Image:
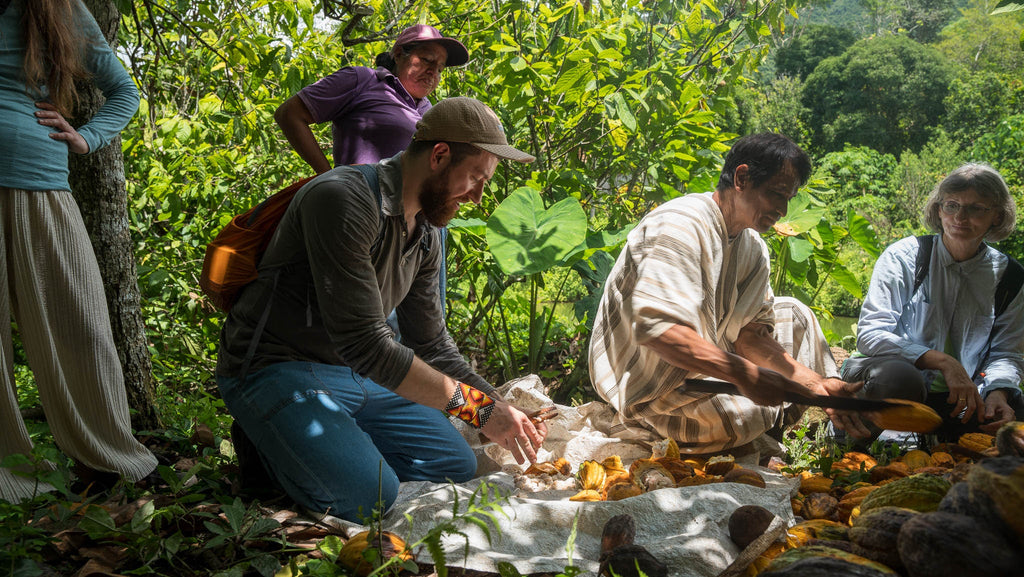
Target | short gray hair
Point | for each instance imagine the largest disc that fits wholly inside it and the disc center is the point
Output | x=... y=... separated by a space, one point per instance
x=985 y=181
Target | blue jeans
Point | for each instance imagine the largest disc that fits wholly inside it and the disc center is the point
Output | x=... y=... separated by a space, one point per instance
x=332 y=439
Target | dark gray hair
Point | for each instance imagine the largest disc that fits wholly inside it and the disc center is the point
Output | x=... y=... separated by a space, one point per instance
x=389 y=60
x=985 y=181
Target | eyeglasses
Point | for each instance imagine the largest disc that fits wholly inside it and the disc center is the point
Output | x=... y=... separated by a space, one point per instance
x=971 y=210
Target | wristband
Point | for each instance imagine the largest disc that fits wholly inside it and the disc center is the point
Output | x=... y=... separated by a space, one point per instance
x=470 y=405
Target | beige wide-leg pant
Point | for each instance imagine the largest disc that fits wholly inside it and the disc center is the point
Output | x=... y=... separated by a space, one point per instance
x=50 y=283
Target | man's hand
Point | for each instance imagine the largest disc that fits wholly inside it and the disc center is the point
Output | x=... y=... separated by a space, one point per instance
x=48 y=116
x=767 y=387
x=512 y=429
x=997 y=411
x=849 y=421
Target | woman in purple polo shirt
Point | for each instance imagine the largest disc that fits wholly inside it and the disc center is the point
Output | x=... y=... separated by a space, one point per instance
x=373 y=112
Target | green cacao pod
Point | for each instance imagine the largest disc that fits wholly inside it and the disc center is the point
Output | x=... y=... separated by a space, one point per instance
x=826 y=567
x=1002 y=479
x=918 y=492
x=791 y=556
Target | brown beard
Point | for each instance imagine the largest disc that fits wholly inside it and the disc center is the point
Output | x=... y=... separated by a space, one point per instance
x=435 y=199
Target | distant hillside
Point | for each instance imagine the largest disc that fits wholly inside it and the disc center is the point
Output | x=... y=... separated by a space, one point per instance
x=849 y=14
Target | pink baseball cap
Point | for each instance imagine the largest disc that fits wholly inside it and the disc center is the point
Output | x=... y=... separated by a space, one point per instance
x=457 y=53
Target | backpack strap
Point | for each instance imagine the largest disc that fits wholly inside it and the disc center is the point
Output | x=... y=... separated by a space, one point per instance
x=369 y=172
x=1009 y=285
x=924 y=260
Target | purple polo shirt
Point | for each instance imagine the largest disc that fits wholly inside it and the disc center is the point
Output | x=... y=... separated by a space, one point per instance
x=372 y=115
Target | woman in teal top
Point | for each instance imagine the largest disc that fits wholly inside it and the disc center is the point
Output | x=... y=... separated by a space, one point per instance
x=49 y=280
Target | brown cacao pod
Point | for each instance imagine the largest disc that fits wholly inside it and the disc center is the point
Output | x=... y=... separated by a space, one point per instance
x=744 y=476
x=874 y=534
x=748 y=523
x=940 y=544
x=1010 y=439
x=819 y=506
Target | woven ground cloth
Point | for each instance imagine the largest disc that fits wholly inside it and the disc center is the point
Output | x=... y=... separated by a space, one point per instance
x=686 y=528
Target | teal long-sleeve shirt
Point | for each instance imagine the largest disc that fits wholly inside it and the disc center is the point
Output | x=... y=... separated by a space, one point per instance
x=29 y=158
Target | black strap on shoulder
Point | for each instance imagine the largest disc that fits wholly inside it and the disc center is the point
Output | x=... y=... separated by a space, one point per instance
x=1008 y=288
x=1009 y=285
x=924 y=260
x=369 y=172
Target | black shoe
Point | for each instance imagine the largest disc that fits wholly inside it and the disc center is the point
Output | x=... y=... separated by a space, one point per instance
x=253 y=478
x=90 y=481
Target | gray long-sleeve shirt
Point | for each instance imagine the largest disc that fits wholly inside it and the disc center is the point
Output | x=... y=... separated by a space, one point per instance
x=335 y=290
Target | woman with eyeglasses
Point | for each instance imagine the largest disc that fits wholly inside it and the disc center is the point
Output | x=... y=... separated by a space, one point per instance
x=941 y=343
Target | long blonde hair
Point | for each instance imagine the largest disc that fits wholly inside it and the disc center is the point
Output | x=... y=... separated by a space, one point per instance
x=54 y=51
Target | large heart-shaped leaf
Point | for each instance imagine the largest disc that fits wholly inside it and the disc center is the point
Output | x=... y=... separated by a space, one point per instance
x=863 y=233
x=801 y=216
x=526 y=239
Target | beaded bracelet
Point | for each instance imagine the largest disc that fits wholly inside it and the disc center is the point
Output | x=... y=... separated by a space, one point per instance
x=470 y=405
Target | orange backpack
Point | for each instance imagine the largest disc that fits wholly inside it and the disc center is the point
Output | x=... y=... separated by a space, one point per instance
x=233 y=256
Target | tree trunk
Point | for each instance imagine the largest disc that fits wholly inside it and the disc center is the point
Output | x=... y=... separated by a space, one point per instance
x=98 y=184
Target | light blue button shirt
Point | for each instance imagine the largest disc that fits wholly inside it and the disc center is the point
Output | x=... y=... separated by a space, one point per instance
x=956 y=298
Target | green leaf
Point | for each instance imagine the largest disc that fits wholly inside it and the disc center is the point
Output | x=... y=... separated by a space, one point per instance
x=845 y=278
x=260 y=526
x=25 y=567
x=469 y=225
x=571 y=77
x=526 y=239
x=97 y=521
x=142 y=518
x=235 y=513
x=1007 y=6
x=506 y=569
x=863 y=234
x=517 y=63
x=800 y=249
x=623 y=112
x=265 y=564
x=801 y=216
x=331 y=547
x=15 y=460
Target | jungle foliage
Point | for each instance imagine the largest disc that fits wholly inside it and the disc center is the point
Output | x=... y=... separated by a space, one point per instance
x=626 y=105
x=621 y=103
x=886 y=117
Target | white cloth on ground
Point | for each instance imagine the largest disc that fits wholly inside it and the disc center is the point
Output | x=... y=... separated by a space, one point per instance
x=686 y=528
